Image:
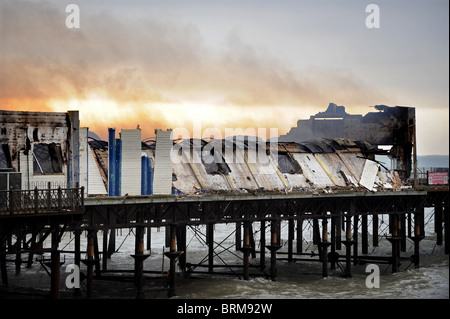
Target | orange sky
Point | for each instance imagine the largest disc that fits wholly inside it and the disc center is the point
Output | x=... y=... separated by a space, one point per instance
x=129 y=67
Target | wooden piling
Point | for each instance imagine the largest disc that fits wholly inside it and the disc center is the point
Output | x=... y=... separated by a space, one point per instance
x=89 y=261
x=139 y=262
x=274 y=246
x=325 y=245
x=238 y=236
x=348 y=244
x=402 y=231
x=55 y=264
x=299 y=245
x=394 y=240
x=181 y=247
x=77 y=256
x=3 y=262
x=262 y=242
x=375 y=230
x=438 y=223
x=364 y=235
x=446 y=228
x=355 y=239
x=246 y=249
x=105 y=250
x=173 y=254
x=290 y=238
x=333 y=243
x=210 y=243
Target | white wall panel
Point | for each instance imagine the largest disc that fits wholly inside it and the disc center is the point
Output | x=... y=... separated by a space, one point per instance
x=131 y=162
x=162 y=177
x=84 y=149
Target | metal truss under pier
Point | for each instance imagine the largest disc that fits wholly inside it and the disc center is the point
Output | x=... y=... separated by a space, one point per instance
x=334 y=212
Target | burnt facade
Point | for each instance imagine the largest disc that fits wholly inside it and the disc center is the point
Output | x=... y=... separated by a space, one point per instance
x=393 y=126
x=43 y=146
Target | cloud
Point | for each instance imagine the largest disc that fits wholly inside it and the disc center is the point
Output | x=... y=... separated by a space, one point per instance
x=145 y=63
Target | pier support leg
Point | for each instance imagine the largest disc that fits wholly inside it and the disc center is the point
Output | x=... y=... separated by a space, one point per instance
x=89 y=262
x=112 y=242
x=375 y=230
x=77 y=256
x=252 y=242
x=446 y=228
x=246 y=249
x=210 y=242
x=355 y=239
x=348 y=246
x=402 y=231
x=96 y=257
x=339 y=227
x=290 y=239
x=18 y=261
x=149 y=239
x=238 y=236
x=172 y=255
x=316 y=231
x=55 y=273
x=364 y=235
x=262 y=241
x=181 y=247
x=395 y=241
x=417 y=237
x=274 y=246
x=324 y=243
x=33 y=246
x=438 y=223
x=105 y=250
x=333 y=243
x=3 y=262
x=299 y=235
x=139 y=258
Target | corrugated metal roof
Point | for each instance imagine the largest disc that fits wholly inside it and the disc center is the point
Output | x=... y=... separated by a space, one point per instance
x=240 y=166
x=162 y=178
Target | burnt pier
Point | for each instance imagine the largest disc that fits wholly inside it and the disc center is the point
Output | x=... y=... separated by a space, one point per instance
x=42 y=214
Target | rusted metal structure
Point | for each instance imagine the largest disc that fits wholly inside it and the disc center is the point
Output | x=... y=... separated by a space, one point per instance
x=333 y=182
x=31 y=216
x=393 y=126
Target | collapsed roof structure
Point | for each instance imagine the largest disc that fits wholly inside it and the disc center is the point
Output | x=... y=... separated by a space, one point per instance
x=236 y=166
x=391 y=126
x=326 y=155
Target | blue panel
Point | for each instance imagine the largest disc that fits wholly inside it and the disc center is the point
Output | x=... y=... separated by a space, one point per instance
x=118 y=186
x=150 y=177
x=144 y=175
x=111 y=161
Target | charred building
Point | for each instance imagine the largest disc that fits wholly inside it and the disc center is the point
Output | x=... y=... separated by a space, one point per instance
x=394 y=126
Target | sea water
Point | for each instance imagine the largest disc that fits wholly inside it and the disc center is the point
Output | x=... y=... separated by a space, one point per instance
x=295 y=280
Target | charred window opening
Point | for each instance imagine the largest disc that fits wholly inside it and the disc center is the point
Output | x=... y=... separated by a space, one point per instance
x=213 y=161
x=5 y=157
x=215 y=166
x=288 y=165
x=47 y=159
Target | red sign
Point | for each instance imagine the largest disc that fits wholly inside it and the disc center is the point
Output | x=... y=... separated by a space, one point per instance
x=435 y=178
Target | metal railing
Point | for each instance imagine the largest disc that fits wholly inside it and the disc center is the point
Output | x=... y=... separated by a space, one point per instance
x=41 y=202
